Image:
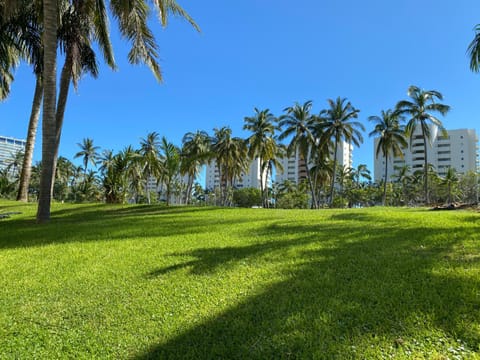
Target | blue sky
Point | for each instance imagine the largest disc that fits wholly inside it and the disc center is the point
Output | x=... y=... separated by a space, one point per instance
x=269 y=54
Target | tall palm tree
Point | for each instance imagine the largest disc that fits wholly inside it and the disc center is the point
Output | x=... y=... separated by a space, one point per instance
x=262 y=143
x=195 y=152
x=420 y=111
x=474 y=51
x=150 y=159
x=391 y=140
x=33 y=53
x=298 y=123
x=337 y=123
x=88 y=153
x=49 y=38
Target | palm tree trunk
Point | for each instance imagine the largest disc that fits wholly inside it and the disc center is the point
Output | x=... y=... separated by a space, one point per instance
x=385 y=182
x=168 y=192
x=50 y=94
x=189 y=189
x=147 y=192
x=26 y=173
x=65 y=79
x=332 y=186
x=310 y=183
x=262 y=188
x=425 y=180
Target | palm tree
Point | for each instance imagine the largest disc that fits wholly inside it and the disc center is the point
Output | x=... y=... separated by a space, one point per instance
x=279 y=152
x=195 y=152
x=361 y=172
x=474 y=51
x=170 y=165
x=420 y=111
x=337 y=125
x=88 y=153
x=262 y=144
x=16 y=160
x=299 y=123
x=150 y=159
x=449 y=180
x=391 y=140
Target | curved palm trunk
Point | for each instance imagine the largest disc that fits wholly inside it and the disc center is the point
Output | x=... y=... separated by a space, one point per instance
x=425 y=180
x=188 y=191
x=449 y=193
x=332 y=186
x=26 y=173
x=65 y=79
x=384 y=201
x=50 y=94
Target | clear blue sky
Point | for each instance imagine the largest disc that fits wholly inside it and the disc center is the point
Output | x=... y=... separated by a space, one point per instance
x=269 y=54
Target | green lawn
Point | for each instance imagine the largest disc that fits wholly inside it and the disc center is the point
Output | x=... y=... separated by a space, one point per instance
x=149 y=282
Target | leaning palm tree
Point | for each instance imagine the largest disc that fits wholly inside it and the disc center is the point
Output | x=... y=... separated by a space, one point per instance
x=391 y=140
x=474 y=51
x=88 y=153
x=262 y=143
x=298 y=123
x=420 y=110
x=337 y=125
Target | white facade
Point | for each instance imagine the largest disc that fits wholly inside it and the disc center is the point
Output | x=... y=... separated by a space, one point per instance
x=458 y=150
x=249 y=179
x=8 y=147
x=293 y=166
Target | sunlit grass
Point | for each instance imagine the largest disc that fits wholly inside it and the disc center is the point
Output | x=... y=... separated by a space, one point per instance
x=150 y=282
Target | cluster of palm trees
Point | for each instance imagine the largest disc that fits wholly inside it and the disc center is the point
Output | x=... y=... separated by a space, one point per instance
x=32 y=31
x=420 y=113
x=131 y=174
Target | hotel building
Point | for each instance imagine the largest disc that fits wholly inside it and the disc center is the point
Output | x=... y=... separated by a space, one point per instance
x=294 y=166
x=8 y=148
x=457 y=149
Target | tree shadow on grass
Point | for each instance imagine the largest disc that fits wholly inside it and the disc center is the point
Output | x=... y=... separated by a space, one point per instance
x=209 y=260
x=339 y=301
x=108 y=223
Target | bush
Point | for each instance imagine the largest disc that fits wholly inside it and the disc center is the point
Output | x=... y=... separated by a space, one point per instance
x=247 y=197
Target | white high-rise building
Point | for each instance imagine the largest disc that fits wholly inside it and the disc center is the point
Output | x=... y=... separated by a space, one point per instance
x=294 y=166
x=458 y=149
x=8 y=147
x=251 y=178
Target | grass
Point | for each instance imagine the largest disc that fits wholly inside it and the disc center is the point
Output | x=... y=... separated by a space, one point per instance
x=145 y=282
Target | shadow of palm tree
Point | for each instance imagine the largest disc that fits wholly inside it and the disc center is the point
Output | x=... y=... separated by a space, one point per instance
x=342 y=297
